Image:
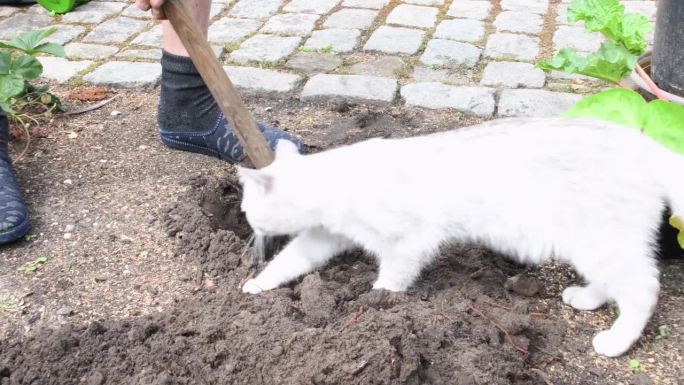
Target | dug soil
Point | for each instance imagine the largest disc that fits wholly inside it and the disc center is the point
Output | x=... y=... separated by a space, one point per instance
x=147 y=250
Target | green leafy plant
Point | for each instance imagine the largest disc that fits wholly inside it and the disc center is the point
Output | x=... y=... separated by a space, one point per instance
x=662 y=333
x=625 y=40
x=327 y=49
x=18 y=65
x=32 y=266
x=634 y=365
x=661 y=120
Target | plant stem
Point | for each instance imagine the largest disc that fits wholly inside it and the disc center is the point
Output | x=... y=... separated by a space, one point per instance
x=649 y=82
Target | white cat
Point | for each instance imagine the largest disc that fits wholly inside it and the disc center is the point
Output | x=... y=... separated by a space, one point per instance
x=584 y=192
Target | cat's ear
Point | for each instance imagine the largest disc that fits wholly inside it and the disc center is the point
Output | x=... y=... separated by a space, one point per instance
x=259 y=178
x=285 y=148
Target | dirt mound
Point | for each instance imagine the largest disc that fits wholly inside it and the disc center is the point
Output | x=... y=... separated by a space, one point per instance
x=327 y=328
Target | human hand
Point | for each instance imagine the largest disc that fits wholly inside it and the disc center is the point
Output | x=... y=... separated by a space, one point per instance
x=154 y=5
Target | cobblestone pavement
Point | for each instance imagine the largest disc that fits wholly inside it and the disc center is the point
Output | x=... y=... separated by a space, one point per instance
x=474 y=56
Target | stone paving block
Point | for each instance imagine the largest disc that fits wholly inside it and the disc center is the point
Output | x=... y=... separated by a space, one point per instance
x=298 y=24
x=89 y=51
x=387 y=66
x=395 y=40
x=65 y=33
x=576 y=38
x=646 y=8
x=467 y=30
x=229 y=30
x=37 y=9
x=351 y=86
x=341 y=40
x=470 y=9
x=255 y=9
x=372 y=4
x=535 y=103
x=263 y=80
x=514 y=21
x=567 y=76
x=61 y=70
x=93 y=12
x=7 y=11
x=133 y=11
x=319 y=7
x=125 y=74
x=536 y=6
x=413 y=16
x=562 y=15
x=313 y=62
x=425 y=2
x=20 y=23
x=269 y=48
x=512 y=46
x=447 y=53
x=448 y=76
x=152 y=38
x=146 y=54
x=512 y=75
x=350 y=18
x=116 y=30
x=215 y=9
x=478 y=101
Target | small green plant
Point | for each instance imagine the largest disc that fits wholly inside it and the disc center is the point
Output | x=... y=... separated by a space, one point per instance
x=18 y=65
x=634 y=366
x=327 y=49
x=624 y=33
x=29 y=237
x=662 y=333
x=32 y=266
x=10 y=304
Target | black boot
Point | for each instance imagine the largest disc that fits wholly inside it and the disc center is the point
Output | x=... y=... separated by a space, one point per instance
x=14 y=222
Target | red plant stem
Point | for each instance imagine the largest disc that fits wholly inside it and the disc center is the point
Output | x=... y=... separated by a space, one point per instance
x=649 y=82
x=520 y=349
x=355 y=318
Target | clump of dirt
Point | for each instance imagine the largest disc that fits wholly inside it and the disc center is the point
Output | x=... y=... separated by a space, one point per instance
x=88 y=94
x=458 y=324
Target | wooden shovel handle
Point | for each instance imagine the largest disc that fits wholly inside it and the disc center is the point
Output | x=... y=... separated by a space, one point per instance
x=219 y=84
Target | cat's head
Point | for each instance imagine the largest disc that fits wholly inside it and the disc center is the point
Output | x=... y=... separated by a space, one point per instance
x=271 y=198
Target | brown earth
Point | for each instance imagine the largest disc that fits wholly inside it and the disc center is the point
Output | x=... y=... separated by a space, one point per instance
x=146 y=254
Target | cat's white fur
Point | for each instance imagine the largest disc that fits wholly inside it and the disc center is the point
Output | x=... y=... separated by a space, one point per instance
x=584 y=192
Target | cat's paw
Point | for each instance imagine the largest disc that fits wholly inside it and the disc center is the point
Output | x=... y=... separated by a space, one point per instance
x=251 y=287
x=583 y=297
x=611 y=343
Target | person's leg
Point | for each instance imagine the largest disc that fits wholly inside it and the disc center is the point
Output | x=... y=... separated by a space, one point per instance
x=14 y=222
x=189 y=118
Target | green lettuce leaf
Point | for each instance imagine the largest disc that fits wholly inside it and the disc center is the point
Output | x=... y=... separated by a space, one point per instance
x=661 y=120
x=611 y=63
x=609 y=18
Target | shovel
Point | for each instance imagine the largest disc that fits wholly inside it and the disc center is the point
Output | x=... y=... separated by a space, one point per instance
x=219 y=84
